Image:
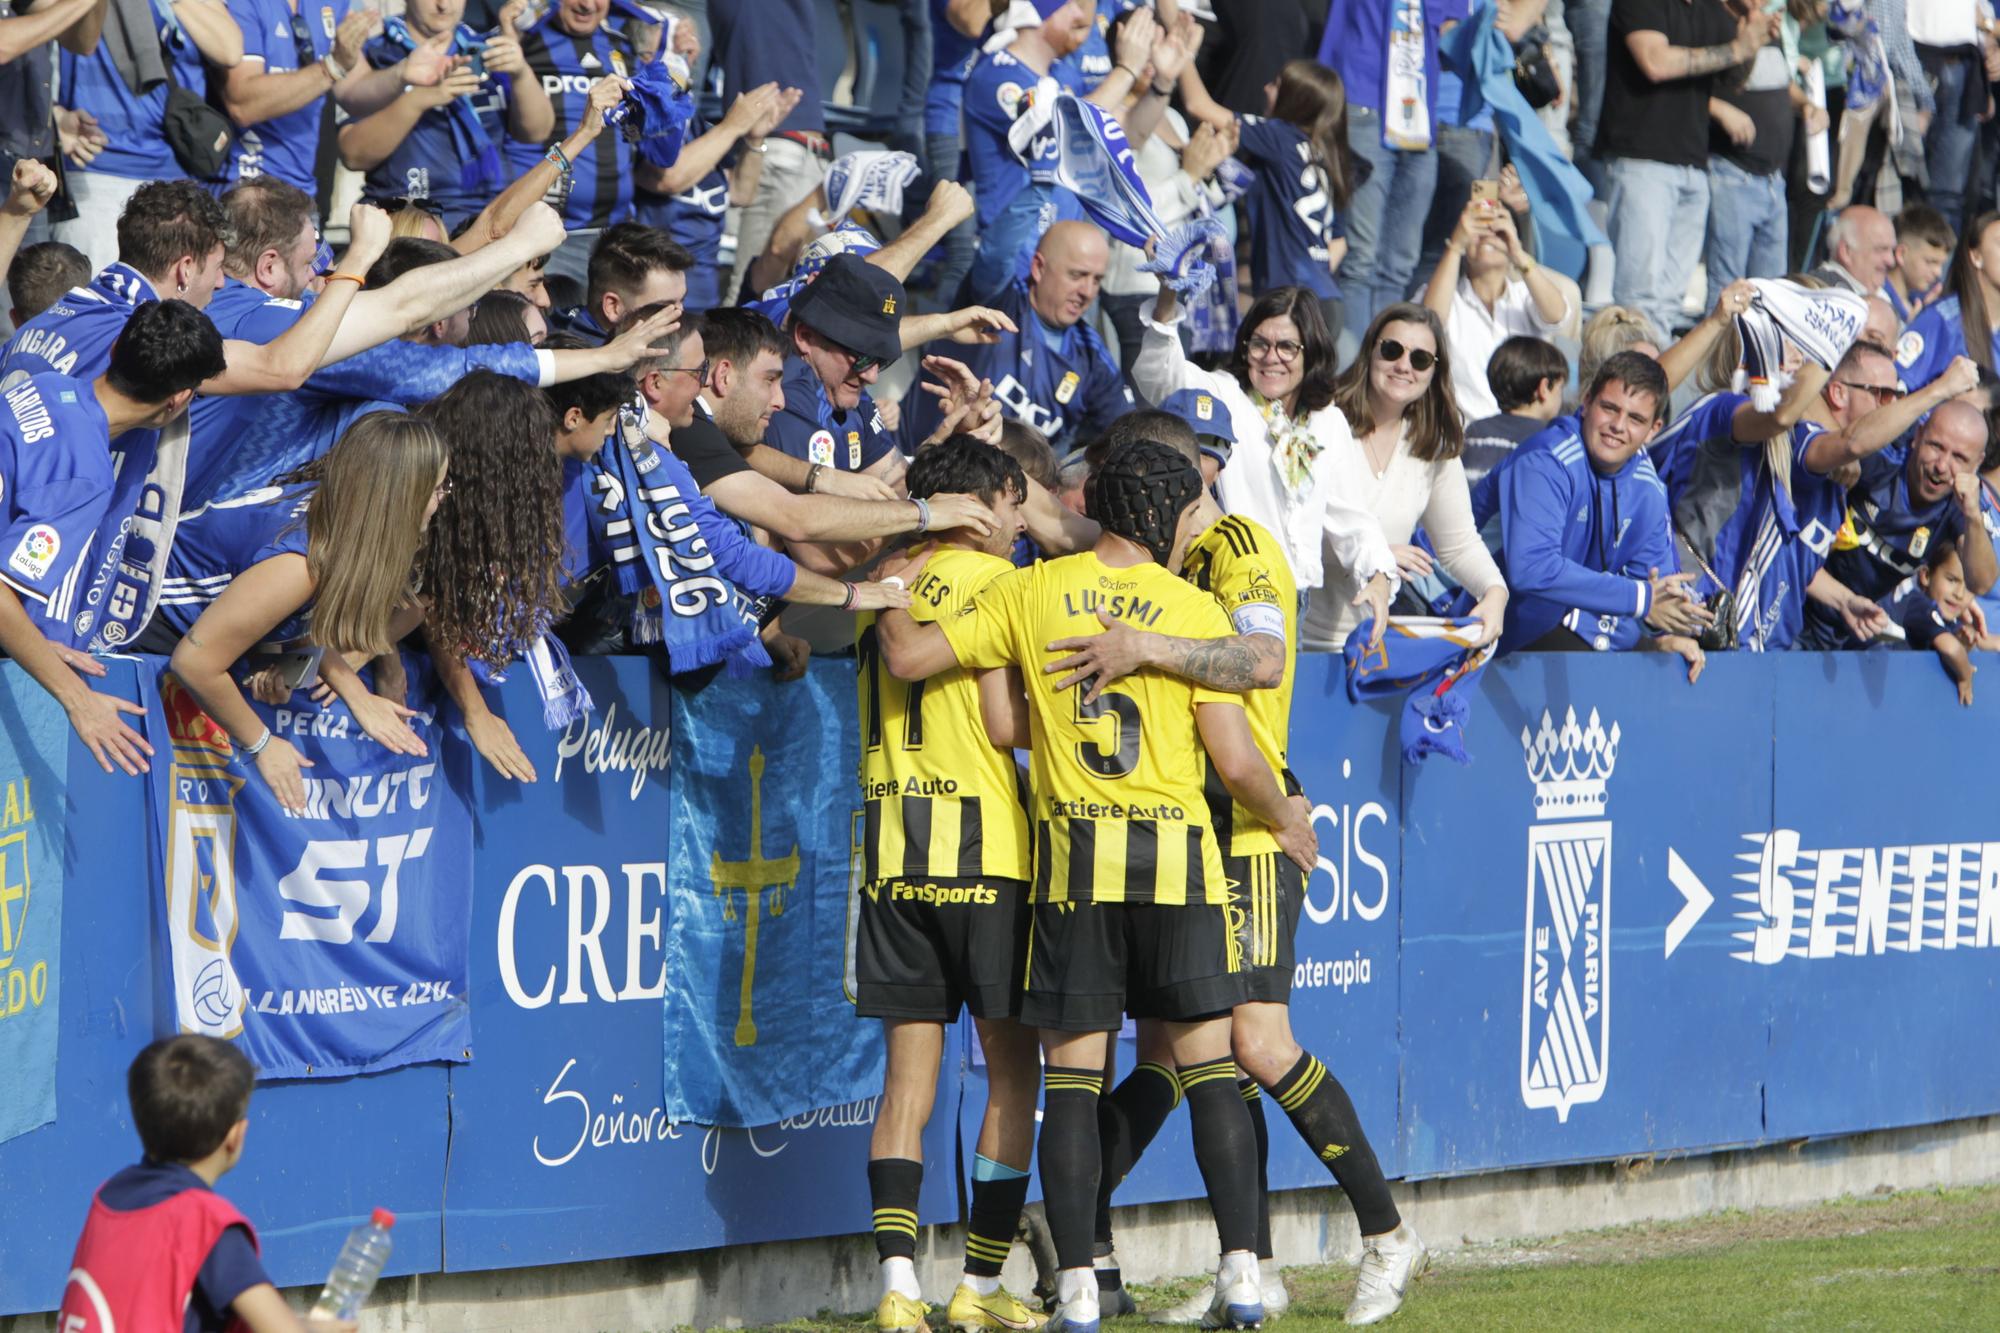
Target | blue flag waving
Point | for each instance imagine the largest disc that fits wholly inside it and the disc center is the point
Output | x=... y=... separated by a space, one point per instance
x=1094 y=161
x=1434 y=663
x=761 y=875
x=334 y=941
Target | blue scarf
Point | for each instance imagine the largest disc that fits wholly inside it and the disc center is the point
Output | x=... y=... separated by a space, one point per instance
x=479 y=172
x=657 y=110
x=640 y=519
x=1559 y=195
x=564 y=699
x=1094 y=162
x=1434 y=662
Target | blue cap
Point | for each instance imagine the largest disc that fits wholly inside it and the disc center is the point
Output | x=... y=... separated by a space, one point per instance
x=1208 y=417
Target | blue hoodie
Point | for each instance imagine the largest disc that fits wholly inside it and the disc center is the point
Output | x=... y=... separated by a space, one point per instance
x=1578 y=547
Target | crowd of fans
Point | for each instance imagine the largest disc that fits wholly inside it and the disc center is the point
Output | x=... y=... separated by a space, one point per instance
x=564 y=393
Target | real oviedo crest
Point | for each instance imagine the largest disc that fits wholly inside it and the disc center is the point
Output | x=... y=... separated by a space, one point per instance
x=1566 y=957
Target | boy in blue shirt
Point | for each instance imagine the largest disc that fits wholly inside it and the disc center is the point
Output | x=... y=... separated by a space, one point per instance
x=1584 y=527
x=1932 y=608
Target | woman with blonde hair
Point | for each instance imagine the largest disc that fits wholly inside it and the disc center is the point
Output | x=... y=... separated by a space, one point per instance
x=1401 y=463
x=1614 y=329
x=330 y=553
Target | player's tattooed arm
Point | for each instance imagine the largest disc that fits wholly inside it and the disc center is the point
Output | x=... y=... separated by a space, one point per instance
x=1237 y=664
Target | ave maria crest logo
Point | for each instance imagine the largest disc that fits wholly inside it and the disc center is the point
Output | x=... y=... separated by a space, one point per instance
x=1566 y=958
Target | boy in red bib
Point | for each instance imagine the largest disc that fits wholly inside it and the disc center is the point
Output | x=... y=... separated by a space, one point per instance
x=161 y=1251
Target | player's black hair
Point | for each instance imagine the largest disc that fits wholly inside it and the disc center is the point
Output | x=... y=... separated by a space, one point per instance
x=593 y=395
x=187 y=1092
x=963 y=465
x=166 y=346
x=1141 y=492
x=404 y=254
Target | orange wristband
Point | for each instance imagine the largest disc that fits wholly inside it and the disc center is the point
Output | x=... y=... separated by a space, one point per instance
x=347 y=277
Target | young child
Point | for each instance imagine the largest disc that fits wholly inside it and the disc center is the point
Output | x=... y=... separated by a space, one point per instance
x=1933 y=608
x=1924 y=243
x=161 y=1250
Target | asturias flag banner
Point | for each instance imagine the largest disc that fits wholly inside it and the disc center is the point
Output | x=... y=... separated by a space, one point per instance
x=760 y=872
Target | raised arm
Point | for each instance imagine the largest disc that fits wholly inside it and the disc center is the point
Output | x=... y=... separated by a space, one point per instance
x=1686 y=356
x=950 y=204
x=1830 y=451
x=498 y=218
x=288 y=360
x=47 y=23
x=212 y=29
x=758 y=109
x=27 y=194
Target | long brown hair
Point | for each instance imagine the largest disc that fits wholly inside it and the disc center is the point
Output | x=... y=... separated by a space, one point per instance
x=1312 y=98
x=493 y=553
x=1963 y=281
x=1436 y=432
x=365 y=525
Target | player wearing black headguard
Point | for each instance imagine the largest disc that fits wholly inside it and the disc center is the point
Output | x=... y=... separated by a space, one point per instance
x=1130 y=899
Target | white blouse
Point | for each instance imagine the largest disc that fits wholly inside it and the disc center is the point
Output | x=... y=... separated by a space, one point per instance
x=1319 y=525
x=1407 y=492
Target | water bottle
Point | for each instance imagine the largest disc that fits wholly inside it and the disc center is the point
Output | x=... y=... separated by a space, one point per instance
x=355 y=1271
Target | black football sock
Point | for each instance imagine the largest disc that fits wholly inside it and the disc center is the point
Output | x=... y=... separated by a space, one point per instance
x=1127 y=1121
x=1324 y=1116
x=1070 y=1162
x=1225 y=1148
x=893 y=1183
x=1253 y=1097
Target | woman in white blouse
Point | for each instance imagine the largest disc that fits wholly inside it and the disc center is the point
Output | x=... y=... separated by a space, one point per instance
x=1487 y=289
x=1278 y=390
x=1401 y=463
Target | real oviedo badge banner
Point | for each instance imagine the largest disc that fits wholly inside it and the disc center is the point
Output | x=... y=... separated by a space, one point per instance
x=329 y=942
x=34 y=774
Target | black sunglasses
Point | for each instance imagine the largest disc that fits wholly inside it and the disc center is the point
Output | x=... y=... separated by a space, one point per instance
x=1391 y=351
x=397 y=203
x=302 y=42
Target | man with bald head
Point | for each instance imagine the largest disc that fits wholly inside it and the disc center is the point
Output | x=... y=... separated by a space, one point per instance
x=1908 y=500
x=1861 y=249
x=1056 y=374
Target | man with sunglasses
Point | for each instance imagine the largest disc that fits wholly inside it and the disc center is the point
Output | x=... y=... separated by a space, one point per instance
x=1766 y=537
x=843 y=329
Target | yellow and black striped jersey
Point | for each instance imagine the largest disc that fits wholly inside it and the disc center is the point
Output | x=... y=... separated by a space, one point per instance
x=939 y=801
x=1242 y=567
x=1117 y=808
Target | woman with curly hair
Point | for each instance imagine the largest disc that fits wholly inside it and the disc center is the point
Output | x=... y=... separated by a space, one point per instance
x=330 y=553
x=493 y=557
x=1401 y=463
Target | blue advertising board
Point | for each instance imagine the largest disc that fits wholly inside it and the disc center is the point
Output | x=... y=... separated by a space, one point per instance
x=1648 y=917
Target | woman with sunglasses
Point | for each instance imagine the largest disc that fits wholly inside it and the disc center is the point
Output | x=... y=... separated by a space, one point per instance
x=1402 y=465
x=1278 y=389
x=327 y=557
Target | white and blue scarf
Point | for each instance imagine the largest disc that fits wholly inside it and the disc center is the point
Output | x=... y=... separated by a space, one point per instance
x=641 y=520
x=1095 y=163
x=1823 y=322
x=1431 y=662
x=479 y=157
x=873 y=180
x=657 y=110
x=564 y=698
x=1406 y=101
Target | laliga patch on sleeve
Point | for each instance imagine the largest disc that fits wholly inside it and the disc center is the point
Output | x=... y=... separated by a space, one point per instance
x=36 y=552
x=819 y=449
x=1009 y=95
x=1909 y=348
x=1259 y=618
